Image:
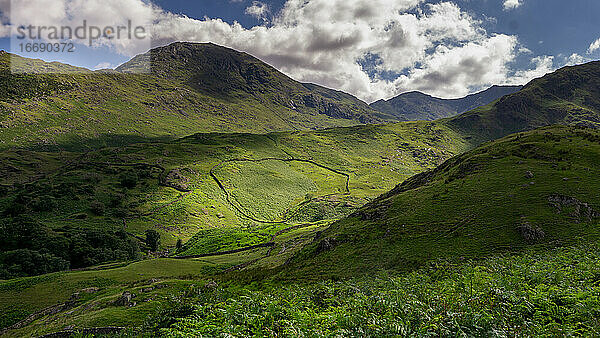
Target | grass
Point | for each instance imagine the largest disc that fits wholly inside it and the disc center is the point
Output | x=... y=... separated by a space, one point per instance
x=21 y=297
x=568 y=96
x=474 y=205
x=58 y=107
x=167 y=278
x=375 y=158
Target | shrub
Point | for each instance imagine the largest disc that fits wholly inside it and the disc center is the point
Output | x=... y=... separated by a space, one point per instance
x=25 y=262
x=128 y=179
x=152 y=239
x=97 y=208
x=15 y=209
x=43 y=203
x=47 y=250
x=116 y=200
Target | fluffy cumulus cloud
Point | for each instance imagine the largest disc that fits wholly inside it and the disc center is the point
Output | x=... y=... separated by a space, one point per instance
x=350 y=45
x=512 y=4
x=576 y=59
x=594 y=46
x=354 y=46
x=258 y=10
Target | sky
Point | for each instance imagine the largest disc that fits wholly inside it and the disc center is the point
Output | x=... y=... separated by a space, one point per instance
x=373 y=49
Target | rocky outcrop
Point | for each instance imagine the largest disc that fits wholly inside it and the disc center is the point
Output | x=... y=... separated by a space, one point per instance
x=176 y=180
x=581 y=212
x=326 y=244
x=125 y=300
x=530 y=233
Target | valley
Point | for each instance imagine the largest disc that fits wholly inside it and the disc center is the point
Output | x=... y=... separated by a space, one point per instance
x=218 y=196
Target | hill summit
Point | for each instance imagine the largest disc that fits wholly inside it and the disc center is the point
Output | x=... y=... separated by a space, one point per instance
x=537 y=188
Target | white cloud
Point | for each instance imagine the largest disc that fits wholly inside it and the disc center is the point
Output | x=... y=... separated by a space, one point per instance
x=437 y=48
x=542 y=65
x=594 y=46
x=258 y=10
x=512 y=4
x=576 y=59
x=104 y=65
x=73 y=13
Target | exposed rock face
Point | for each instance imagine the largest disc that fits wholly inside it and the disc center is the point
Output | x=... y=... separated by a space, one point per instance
x=176 y=180
x=328 y=108
x=372 y=214
x=125 y=300
x=327 y=244
x=580 y=211
x=530 y=233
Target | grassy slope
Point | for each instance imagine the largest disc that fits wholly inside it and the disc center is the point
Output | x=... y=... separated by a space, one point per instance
x=374 y=157
x=570 y=95
x=20 y=297
x=471 y=206
x=169 y=278
x=183 y=96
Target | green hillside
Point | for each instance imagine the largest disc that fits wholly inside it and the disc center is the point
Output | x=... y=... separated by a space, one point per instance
x=570 y=95
x=413 y=228
x=214 y=192
x=192 y=88
x=494 y=240
x=531 y=189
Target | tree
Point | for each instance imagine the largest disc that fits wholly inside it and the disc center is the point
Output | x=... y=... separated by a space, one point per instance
x=129 y=179
x=152 y=239
x=179 y=244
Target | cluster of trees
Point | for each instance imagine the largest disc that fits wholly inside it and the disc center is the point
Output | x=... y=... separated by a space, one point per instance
x=29 y=248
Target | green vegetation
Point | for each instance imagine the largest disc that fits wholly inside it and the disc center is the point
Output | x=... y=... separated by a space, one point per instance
x=293 y=232
x=90 y=295
x=30 y=248
x=172 y=187
x=553 y=293
x=531 y=189
x=570 y=95
x=63 y=107
x=153 y=239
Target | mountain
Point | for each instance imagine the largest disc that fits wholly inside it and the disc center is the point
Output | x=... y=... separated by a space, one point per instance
x=222 y=72
x=192 y=88
x=490 y=199
x=533 y=189
x=570 y=95
x=296 y=205
x=415 y=106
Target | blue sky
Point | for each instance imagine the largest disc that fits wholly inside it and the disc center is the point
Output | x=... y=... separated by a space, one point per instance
x=445 y=48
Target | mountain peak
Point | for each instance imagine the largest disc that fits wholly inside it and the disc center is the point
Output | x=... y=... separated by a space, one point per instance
x=415 y=105
x=232 y=75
